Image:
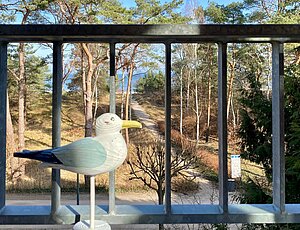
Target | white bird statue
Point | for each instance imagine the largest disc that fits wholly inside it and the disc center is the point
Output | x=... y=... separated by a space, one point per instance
x=89 y=156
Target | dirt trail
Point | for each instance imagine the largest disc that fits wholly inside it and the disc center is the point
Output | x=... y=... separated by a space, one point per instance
x=144 y=117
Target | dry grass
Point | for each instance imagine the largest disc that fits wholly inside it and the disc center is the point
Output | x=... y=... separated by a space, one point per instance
x=38 y=136
x=207 y=152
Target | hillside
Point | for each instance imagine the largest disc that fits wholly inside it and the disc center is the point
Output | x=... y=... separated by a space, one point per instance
x=38 y=136
x=207 y=151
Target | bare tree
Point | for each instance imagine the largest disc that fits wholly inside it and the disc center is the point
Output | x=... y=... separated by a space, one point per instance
x=209 y=91
x=149 y=165
x=128 y=92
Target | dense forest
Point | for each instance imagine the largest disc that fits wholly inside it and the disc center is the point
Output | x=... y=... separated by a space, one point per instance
x=140 y=68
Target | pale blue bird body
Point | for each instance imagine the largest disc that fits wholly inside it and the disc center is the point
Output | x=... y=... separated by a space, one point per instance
x=92 y=155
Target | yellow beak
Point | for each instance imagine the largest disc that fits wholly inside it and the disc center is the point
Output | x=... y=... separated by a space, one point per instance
x=131 y=124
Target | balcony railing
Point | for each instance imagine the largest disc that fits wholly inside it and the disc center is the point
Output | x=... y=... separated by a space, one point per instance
x=168 y=213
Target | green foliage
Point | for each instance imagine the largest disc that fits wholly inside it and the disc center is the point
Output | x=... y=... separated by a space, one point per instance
x=6 y=15
x=36 y=73
x=273 y=12
x=288 y=12
x=41 y=4
x=292 y=117
x=151 y=82
x=253 y=193
x=215 y=13
x=153 y=11
x=256 y=125
x=114 y=12
x=256 y=129
x=231 y=13
x=270 y=227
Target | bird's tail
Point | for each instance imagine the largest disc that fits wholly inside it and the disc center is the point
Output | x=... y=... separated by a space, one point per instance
x=41 y=155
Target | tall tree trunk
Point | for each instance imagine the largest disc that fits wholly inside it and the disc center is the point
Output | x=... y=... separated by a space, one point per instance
x=18 y=166
x=197 y=111
x=88 y=110
x=196 y=96
x=181 y=101
x=188 y=92
x=123 y=90
x=207 y=132
x=10 y=144
x=95 y=98
x=230 y=88
x=22 y=93
x=22 y=84
x=232 y=75
x=233 y=115
x=127 y=99
x=269 y=75
x=208 y=107
x=83 y=78
x=15 y=166
x=88 y=93
x=95 y=93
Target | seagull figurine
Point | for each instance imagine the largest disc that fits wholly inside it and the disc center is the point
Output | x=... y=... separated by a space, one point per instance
x=91 y=155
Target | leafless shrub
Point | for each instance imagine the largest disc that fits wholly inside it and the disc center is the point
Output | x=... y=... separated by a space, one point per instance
x=148 y=165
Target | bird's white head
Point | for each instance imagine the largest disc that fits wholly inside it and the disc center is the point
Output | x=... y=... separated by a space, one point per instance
x=108 y=123
x=112 y=123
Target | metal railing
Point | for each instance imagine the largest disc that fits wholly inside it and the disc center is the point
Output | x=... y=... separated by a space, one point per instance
x=277 y=35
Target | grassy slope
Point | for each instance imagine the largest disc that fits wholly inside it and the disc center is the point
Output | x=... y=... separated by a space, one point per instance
x=38 y=136
x=207 y=152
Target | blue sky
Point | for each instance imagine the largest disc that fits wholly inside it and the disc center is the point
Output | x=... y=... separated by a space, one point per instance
x=203 y=3
x=130 y=3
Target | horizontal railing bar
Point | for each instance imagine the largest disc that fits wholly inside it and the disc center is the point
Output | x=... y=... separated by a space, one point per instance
x=155 y=214
x=150 y=33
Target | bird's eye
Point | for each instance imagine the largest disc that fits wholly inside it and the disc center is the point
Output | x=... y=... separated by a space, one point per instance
x=112 y=119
